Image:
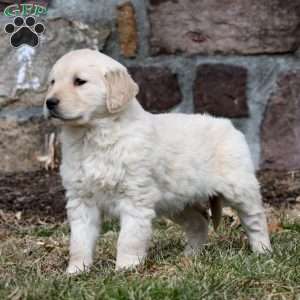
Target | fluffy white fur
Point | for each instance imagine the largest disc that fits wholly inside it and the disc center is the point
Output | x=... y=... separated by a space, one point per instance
x=122 y=160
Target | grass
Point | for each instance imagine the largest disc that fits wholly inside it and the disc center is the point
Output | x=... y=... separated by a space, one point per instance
x=33 y=259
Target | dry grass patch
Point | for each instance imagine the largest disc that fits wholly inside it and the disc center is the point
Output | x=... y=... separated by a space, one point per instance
x=33 y=259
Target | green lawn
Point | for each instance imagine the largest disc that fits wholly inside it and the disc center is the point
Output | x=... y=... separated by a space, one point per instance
x=33 y=260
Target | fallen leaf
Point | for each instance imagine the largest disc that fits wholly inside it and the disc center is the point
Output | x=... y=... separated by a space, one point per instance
x=275 y=227
x=19 y=215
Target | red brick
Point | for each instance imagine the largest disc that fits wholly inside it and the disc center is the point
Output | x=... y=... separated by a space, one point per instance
x=221 y=90
x=159 y=88
x=224 y=26
x=280 y=132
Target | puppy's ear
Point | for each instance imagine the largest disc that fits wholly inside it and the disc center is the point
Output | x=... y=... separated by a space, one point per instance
x=120 y=90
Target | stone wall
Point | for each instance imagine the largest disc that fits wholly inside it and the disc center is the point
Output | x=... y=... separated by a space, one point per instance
x=234 y=58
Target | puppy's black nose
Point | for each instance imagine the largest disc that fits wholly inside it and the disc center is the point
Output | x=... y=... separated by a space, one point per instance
x=52 y=103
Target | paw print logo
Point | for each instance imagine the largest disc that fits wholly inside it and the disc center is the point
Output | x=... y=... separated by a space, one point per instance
x=24 y=32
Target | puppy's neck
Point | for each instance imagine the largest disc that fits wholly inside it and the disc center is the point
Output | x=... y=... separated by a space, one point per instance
x=107 y=129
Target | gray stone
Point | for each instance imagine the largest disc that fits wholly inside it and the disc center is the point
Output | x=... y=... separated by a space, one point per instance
x=86 y=11
x=224 y=26
x=280 y=132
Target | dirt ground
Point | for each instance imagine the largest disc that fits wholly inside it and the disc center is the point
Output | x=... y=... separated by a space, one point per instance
x=34 y=196
x=39 y=196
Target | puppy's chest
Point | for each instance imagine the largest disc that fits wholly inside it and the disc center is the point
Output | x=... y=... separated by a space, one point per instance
x=92 y=171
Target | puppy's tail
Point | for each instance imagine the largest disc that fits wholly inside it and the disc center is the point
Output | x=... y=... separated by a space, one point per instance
x=216 y=206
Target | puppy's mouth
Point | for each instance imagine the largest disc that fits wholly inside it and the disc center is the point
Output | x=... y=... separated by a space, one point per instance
x=54 y=114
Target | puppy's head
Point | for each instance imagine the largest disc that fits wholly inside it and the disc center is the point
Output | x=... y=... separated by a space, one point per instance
x=85 y=85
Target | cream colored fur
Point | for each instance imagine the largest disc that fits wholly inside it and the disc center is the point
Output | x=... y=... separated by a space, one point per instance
x=120 y=90
x=121 y=160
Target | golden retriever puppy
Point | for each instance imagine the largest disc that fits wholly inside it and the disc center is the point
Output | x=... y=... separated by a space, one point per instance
x=119 y=159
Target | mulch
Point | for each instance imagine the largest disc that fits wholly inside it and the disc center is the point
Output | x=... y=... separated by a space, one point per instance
x=40 y=196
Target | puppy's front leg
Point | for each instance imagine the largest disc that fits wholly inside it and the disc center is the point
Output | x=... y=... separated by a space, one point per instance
x=133 y=240
x=84 y=221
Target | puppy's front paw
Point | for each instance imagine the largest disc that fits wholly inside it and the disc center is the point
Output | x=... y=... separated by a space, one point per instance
x=128 y=262
x=191 y=251
x=76 y=268
x=261 y=247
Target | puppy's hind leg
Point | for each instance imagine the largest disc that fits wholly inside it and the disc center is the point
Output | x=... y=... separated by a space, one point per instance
x=84 y=221
x=245 y=197
x=194 y=221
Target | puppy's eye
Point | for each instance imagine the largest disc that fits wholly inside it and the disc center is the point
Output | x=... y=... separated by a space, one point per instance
x=78 y=81
x=52 y=82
